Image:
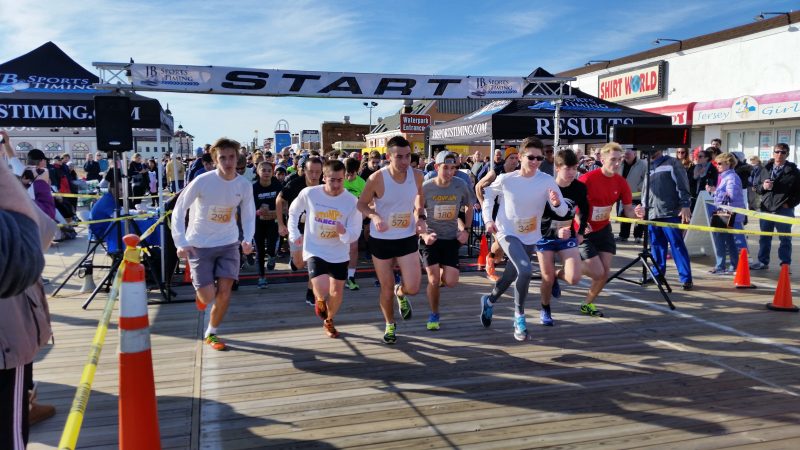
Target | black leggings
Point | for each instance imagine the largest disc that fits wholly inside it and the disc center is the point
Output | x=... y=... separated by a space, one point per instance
x=266 y=241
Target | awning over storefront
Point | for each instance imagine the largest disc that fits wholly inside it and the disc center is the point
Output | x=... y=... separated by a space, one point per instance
x=747 y=108
x=680 y=114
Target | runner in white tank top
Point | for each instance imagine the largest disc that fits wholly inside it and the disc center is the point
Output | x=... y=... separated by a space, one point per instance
x=392 y=199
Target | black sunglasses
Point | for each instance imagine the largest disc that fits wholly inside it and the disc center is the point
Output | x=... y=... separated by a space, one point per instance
x=781 y=152
x=537 y=158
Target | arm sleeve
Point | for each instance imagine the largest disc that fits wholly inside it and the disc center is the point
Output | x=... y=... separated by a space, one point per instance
x=185 y=200
x=353 y=224
x=562 y=209
x=16 y=166
x=248 y=208
x=583 y=211
x=682 y=182
x=297 y=208
x=490 y=193
x=21 y=258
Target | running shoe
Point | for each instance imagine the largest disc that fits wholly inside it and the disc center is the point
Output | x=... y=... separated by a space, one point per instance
x=271 y=263
x=388 y=336
x=330 y=330
x=556 y=289
x=262 y=283
x=433 y=322
x=200 y=305
x=547 y=319
x=321 y=309
x=520 y=329
x=310 y=299
x=590 y=309
x=403 y=303
x=352 y=285
x=486 y=311
x=490 y=272
x=213 y=341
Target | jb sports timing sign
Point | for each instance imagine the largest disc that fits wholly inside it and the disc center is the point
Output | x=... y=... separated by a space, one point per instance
x=273 y=82
x=633 y=84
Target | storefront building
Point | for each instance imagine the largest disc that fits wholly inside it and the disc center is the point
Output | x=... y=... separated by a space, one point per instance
x=741 y=85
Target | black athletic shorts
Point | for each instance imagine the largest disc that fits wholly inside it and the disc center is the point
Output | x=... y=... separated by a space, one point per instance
x=318 y=266
x=392 y=248
x=443 y=252
x=598 y=241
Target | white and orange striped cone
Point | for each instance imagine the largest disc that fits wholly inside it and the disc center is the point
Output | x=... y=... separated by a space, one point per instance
x=138 y=413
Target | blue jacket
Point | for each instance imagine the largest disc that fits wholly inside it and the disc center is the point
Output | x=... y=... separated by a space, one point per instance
x=729 y=192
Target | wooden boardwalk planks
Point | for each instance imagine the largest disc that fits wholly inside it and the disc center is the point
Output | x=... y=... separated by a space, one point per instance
x=721 y=372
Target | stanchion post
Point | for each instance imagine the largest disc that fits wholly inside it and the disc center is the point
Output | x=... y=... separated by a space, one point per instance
x=138 y=412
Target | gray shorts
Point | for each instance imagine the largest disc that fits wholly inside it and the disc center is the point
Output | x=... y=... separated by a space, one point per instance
x=211 y=263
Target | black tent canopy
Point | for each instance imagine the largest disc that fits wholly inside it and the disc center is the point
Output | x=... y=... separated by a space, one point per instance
x=47 y=88
x=584 y=118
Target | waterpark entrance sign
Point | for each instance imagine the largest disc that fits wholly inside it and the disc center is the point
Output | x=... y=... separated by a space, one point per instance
x=274 y=82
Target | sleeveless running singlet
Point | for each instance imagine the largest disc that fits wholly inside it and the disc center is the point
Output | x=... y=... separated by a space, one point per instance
x=396 y=207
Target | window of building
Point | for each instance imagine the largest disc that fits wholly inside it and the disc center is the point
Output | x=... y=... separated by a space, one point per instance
x=53 y=149
x=79 y=151
x=24 y=147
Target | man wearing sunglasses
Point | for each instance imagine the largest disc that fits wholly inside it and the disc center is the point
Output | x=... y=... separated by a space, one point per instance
x=779 y=187
x=523 y=196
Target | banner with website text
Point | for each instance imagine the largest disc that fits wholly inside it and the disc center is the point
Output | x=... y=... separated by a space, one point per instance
x=275 y=82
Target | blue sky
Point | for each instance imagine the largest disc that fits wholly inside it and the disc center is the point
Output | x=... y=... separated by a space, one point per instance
x=508 y=38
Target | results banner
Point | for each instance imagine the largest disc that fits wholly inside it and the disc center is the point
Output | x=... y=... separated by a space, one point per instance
x=275 y=82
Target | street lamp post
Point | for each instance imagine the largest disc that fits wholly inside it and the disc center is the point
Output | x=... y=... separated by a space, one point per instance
x=370 y=105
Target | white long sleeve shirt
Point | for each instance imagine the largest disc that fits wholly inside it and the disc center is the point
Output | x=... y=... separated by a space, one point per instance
x=212 y=203
x=323 y=211
x=522 y=200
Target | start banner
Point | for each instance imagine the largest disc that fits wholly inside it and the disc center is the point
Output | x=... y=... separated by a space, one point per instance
x=276 y=82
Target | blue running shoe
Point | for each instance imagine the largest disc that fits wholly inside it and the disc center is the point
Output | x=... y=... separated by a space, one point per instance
x=556 y=289
x=433 y=322
x=520 y=329
x=547 y=319
x=486 y=311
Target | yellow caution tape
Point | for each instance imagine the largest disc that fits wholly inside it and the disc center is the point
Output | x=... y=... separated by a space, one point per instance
x=759 y=215
x=684 y=226
x=152 y=228
x=113 y=219
x=66 y=195
x=72 y=428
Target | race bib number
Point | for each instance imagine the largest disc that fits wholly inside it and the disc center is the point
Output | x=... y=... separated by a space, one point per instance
x=400 y=220
x=328 y=233
x=601 y=213
x=220 y=214
x=444 y=212
x=526 y=225
x=559 y=224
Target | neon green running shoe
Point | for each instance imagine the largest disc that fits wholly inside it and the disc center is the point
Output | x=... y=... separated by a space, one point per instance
x=591 y=310
x=389 y=336
x=403 y=303
x=351 y=284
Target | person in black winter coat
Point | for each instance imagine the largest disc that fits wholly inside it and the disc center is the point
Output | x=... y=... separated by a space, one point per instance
x=779 y=187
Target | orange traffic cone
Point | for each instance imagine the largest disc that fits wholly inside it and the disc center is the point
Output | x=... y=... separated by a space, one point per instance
x=138 y=413
x=187 y=272
x=783 y=293
x=742 y=278
x=483 y=252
